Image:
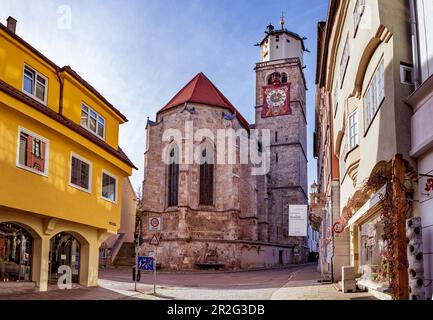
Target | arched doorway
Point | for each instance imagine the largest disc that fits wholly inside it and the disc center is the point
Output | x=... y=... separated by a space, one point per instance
x=65 y=250
x=16 y=253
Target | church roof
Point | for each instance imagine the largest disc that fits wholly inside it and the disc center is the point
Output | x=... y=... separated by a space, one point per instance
x=201 y=90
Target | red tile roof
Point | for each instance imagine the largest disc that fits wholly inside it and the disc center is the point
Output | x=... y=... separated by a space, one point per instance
x=63 y=69
x=65 y=121
x=201 y=90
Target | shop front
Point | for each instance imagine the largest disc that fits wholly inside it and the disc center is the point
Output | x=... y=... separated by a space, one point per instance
x=64 y=251
x=373 y=265
x=369 y=249
x=16 y=251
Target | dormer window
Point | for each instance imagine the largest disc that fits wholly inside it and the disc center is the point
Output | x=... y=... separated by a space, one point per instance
x=92 y=121
x=35 y=84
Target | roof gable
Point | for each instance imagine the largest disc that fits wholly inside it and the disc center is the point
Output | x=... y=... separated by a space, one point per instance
x=201 y=90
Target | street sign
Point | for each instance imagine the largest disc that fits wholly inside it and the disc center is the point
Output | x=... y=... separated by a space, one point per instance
x=145 y=263
x=155 y=224
x=154 y=241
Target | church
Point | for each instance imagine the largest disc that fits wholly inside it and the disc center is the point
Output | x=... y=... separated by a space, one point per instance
x=219 y=214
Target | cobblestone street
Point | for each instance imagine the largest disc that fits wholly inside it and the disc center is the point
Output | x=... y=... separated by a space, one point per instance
x=293 y=283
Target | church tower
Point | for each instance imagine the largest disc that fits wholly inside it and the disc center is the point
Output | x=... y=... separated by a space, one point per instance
x=281 y=108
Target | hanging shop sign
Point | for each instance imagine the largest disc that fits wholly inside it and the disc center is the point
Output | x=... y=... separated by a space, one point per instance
x=298 y=220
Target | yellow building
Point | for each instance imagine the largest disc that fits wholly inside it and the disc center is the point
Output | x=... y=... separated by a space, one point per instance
x=60 y=165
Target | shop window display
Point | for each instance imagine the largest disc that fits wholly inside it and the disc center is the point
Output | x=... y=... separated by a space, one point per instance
x=64 y=251
x=373 y=263
x=16 y=247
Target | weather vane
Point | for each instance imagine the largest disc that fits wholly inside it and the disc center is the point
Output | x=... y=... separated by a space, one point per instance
x=282 y=22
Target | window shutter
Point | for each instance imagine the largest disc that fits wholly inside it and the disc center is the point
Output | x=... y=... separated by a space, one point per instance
x=29 y=151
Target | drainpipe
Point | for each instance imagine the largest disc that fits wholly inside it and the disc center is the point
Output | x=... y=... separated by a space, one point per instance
x=61 y=91
x=415 y=42
x=331 y=115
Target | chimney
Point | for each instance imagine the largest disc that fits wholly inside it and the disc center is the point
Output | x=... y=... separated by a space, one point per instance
x=11 y=24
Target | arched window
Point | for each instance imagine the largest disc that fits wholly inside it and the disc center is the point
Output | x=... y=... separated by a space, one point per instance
x=173 y=178
x=206 y=176
x=270 y=80
x=284 y=78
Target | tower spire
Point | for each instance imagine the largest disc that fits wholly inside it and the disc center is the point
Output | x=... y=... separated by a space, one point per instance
x=282 y=20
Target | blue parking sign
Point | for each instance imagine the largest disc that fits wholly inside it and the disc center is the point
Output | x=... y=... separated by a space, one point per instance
x=145 y=263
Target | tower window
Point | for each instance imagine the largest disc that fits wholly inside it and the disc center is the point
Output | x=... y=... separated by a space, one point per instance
x=284 y=78
x=276 y=157
x=276 y=136
x=277 y=39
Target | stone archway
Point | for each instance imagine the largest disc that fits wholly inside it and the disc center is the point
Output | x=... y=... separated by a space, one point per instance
x=65 y=250
x=71 y=249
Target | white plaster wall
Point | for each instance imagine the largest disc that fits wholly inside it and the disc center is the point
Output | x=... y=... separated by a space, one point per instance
x=422 y=133
x=425 y=28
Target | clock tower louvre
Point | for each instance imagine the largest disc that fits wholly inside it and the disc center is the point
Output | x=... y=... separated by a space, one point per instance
x=281 y=108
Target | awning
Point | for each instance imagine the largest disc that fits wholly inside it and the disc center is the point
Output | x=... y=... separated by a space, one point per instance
x=367 y=206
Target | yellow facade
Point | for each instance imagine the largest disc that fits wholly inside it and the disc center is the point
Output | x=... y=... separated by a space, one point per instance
x=46 y=204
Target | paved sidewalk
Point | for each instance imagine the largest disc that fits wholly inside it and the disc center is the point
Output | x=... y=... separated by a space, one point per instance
x=303 y=285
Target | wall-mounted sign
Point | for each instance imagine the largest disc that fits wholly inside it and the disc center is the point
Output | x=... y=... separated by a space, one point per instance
x=154 y=241
x=298 y=220
x=155 y=224
x=426 y=187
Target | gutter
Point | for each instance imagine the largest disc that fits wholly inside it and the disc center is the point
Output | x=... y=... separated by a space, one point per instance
x=61 y=90
x=415 y=42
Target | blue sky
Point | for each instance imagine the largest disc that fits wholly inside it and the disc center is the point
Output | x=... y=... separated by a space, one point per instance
x=138 y=54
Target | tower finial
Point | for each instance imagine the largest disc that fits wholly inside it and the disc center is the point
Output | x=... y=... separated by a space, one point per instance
x=282 y=20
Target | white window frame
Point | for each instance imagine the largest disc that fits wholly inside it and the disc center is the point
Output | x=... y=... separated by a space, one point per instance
x=372 y=101
x=98 y=116
x=117 y=185
x=47 y=151
x=357 y=14
x=344 y=61
x=353 y=136
x=403 y=69
x=33 y=95
x=343 y=154
x=335 y=100
x=74 y=155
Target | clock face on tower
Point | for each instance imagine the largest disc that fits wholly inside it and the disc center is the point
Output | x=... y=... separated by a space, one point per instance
x=276 y=100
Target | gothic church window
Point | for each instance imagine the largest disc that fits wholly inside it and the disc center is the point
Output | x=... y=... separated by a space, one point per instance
x=206 y=177
x=173 y=177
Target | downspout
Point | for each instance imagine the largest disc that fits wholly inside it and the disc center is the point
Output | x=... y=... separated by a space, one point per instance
x=61 y=91
x=331 y=143
x=415 y=42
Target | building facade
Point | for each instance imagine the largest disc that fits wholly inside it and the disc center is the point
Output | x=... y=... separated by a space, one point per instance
x=119 y=248
x=218 y=214
x=364 y=76
x=61 y=167
x=334 y=248
x=286 y=183
x=421 y=102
